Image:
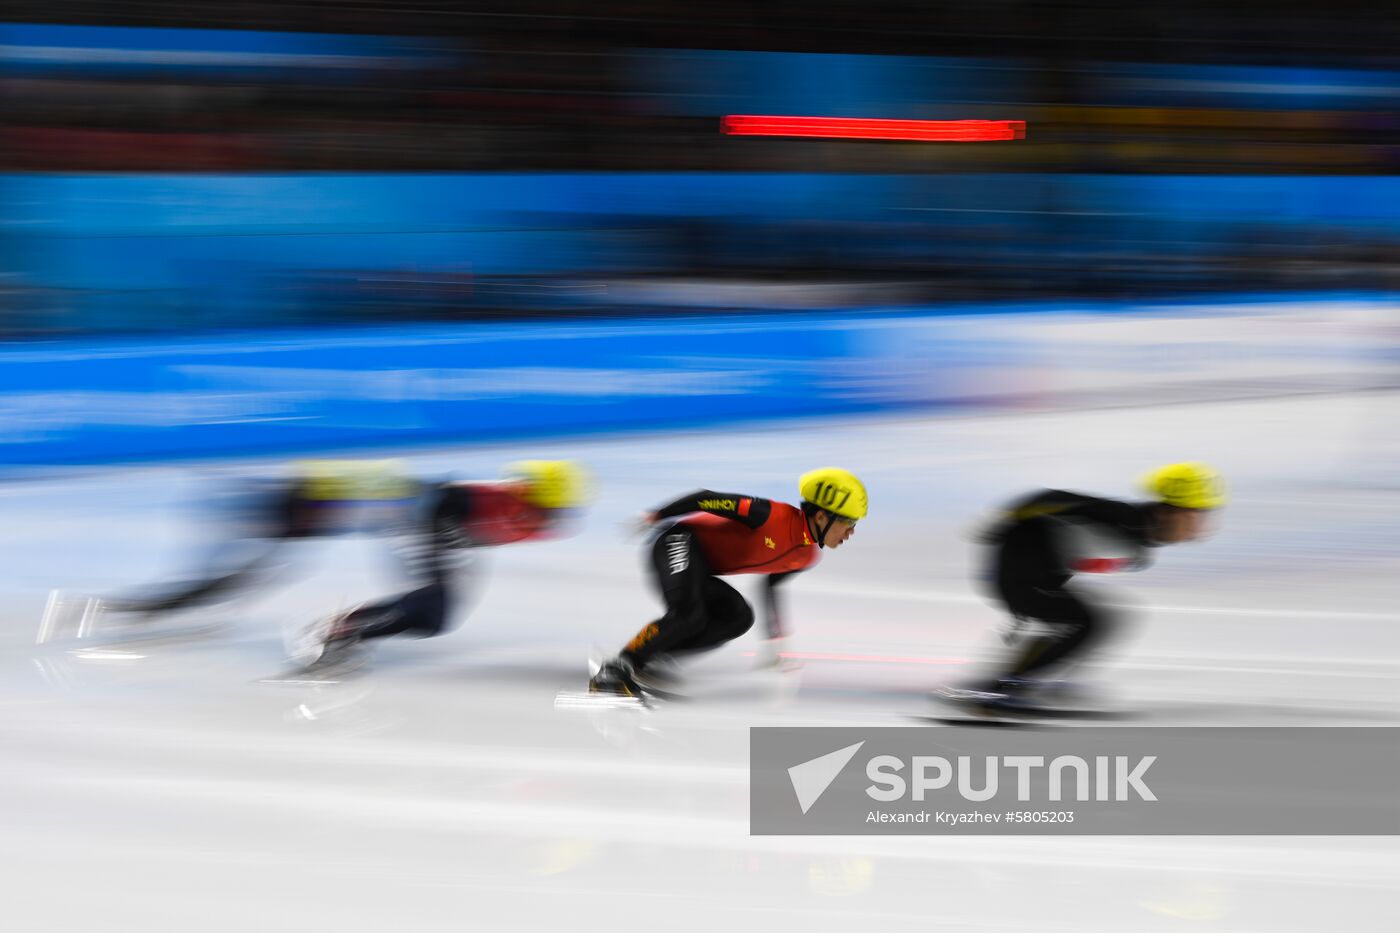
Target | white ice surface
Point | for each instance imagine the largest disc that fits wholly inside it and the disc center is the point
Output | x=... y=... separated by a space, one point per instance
x=162 y=788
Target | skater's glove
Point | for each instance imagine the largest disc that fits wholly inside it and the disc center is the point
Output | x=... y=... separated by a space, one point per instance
x=775 y=655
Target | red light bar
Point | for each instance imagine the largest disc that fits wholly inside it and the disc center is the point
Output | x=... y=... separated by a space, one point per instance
x=929 y=131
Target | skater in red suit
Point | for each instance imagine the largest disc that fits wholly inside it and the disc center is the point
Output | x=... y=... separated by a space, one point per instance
x=434 y=525
x=707 y=535
x=530 y=503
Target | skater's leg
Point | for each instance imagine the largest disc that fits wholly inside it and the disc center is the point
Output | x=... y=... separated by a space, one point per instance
x=681 y=572
x=444 y=574
x=231 y=569
x=1072 y=627
x=680 y=569
x=728 y=615
x=251 y=526
x=422 y=613
x=1056 y=627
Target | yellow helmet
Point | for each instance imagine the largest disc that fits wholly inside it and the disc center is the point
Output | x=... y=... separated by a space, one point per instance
x=1186 y=486
x=552 y=484
x=354 y=480
x=836 y=490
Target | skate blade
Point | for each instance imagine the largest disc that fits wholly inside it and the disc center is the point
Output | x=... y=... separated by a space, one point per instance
x=319 y=675
x=68 y=616
x=954 y=706
x=1080 y=713
x=293 y=682
x=950 y=713
x=105 y=654
x=958 y=717
x=304 y=679
x=132 y=638
x=106 y=634
x=583 y=699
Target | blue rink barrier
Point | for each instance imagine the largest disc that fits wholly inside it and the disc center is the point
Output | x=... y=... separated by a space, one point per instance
x=264 y=392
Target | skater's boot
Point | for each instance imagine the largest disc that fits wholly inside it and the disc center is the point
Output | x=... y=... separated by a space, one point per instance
x=616 y=678
x=329 y=640
x=1008 y=691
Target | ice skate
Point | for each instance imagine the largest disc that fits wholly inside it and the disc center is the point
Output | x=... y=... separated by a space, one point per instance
x=616 y=678
x=328 y=642
x=611 y=684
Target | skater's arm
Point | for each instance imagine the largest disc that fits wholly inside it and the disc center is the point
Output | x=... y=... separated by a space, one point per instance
x=1122 y=518
x=1040 y=504
x=1100 y=564
x=774 y=618
x=1097 y=547
x=1125 y=518
x=747 y=510
x=1135 y=558
x=775 y=652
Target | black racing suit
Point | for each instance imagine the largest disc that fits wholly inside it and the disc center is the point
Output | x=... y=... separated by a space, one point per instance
x=1039 y=544
x=702 y=611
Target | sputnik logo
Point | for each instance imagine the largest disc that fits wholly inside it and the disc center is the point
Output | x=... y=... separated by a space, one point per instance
x=811 y=778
